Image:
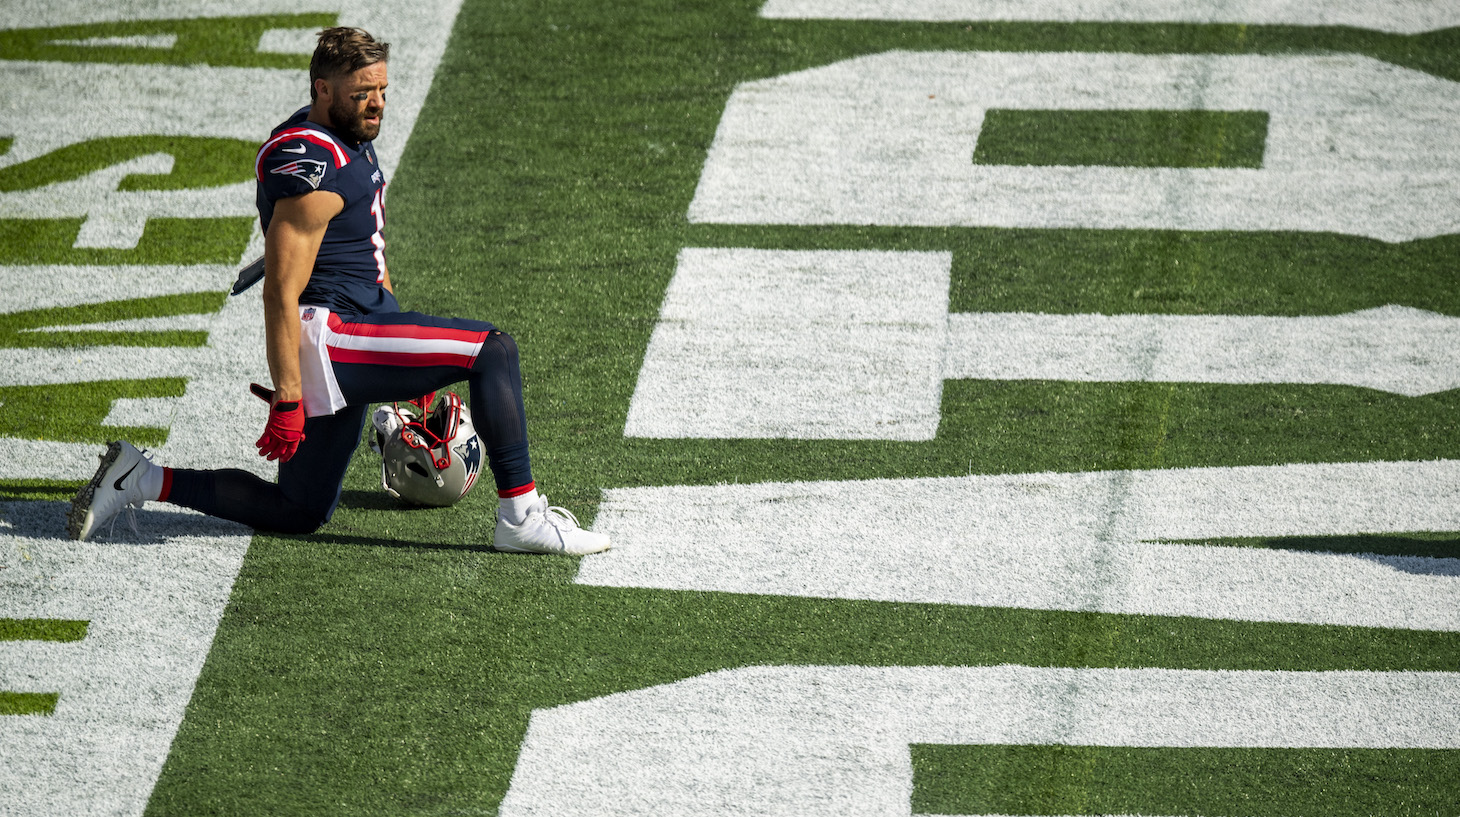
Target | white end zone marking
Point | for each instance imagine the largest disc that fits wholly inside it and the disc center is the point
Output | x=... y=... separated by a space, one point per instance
x=1397 y=349
x=152 y=605
x=856 y=345
x=1056 y=541
x=1397 y=16
x=288 y=41
x=1354 y=145
x=151 y=412
x=164 y=42
x=811 y=345
x=834 y=740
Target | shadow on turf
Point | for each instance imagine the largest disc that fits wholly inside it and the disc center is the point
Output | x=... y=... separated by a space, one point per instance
x=156 y=524
x=1408 y=554
x=342 y=533
x=380 y=542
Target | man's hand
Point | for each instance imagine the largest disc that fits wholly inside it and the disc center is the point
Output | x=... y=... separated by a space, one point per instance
x=285 y=429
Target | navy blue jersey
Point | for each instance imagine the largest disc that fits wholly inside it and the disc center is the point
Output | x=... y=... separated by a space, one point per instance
x=301 y=157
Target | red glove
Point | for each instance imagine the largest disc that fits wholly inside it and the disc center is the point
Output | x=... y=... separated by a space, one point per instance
x=285 y=429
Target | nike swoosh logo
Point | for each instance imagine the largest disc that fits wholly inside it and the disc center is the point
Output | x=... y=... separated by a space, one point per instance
x=120 y=479
x=299 y=149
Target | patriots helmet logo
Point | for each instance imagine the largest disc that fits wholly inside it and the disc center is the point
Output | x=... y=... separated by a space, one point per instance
x=310 y=170
x=471 y=457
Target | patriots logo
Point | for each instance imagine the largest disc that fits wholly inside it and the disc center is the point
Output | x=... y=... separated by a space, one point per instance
x=310 y=170
x=471 y=458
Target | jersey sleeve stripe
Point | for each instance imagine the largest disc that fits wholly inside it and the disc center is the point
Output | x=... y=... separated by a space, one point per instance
x=341 y=158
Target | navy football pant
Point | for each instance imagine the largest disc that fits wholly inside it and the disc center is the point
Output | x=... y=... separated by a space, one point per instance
x=381 y=358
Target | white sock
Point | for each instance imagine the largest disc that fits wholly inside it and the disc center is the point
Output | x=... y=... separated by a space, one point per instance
x=150 y=481
x=515 y=508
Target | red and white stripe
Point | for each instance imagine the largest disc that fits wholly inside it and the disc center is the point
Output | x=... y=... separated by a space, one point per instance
x=402 y=345
x=293 y=134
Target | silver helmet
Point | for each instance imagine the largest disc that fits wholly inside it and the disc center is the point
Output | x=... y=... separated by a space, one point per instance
x=430 y=460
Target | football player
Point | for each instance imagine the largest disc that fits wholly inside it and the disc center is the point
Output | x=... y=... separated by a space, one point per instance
x=337 y=339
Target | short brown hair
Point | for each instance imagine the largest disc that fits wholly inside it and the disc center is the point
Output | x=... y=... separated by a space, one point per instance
x=344 y=50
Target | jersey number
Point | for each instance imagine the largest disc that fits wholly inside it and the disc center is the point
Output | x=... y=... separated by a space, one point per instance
x=377 y=209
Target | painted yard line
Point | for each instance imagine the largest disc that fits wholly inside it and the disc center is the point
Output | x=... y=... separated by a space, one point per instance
x=152 y=604
x=1398 y=16
x=888 y=139
x=1392 y=348
x=835 y=740
x=1056 y=541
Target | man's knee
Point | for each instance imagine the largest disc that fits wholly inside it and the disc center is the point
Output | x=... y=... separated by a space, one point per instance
x=498 y=349
x=296 y=519
x=303 y=509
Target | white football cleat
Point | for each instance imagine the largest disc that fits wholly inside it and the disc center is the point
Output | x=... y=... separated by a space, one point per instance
x=117 y=485
x=547 y=529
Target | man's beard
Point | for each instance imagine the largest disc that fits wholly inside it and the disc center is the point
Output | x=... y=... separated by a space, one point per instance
x=350 y=121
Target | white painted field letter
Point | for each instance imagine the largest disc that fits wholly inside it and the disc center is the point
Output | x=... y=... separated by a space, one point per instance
x=1398 y=16
x=810 y=741
x=796 y=344
x=1353 y=145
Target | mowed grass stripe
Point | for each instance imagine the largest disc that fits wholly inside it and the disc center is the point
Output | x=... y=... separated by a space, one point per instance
x=1200 y=782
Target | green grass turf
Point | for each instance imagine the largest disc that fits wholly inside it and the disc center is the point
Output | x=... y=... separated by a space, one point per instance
x=213 y=40
x=1199 y=782
x=41 y=629
x=39 y=490
x=389 y=664
x=73 y=412
x=197 y=162
x=163 y=241
x=1122 y=138
x=18 y=329
x=28 y=703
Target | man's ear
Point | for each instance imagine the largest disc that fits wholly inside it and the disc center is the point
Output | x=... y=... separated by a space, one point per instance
x=322 y=89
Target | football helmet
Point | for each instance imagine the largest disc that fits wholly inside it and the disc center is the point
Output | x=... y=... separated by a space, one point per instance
x=432 y=459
